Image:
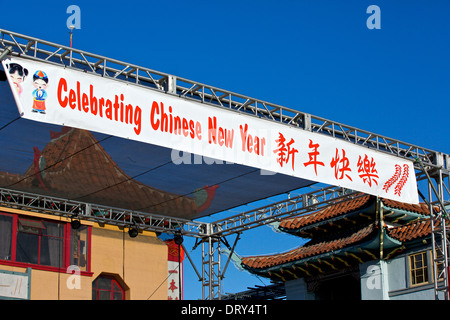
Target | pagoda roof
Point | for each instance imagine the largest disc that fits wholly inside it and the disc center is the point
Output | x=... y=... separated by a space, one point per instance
x=334 y=245
x=78 y=168
x=360 y=204
x=352 y=246
x=311 y=249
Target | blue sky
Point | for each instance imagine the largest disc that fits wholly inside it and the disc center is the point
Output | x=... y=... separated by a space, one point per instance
x=315 y=56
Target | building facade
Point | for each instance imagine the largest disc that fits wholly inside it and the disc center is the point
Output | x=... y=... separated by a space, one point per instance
x=42 y=257
x=366 y=248
x=47 y=256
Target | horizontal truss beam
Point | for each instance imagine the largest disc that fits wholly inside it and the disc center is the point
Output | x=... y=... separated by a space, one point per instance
x=100 y=214
x=275 y=212
x=68 y=57
x=145 y=221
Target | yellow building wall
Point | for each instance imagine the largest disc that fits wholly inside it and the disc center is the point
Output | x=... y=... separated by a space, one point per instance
x=140 y=262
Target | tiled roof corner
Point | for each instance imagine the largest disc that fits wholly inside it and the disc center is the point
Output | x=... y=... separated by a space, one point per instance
x=329 y=212
x=411 y=231
x=310 y=249
x=420 y=208
x=345 y=207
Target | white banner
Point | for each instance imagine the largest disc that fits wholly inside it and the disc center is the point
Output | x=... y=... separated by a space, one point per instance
x=175 y=274
x=56 y=95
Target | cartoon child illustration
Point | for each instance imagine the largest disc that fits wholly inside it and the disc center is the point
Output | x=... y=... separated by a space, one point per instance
x=40 y=82
x=17 y=74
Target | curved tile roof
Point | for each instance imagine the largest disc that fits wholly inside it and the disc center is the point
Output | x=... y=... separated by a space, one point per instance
x=78 y=168
x=325 y=214
x=420 y=208
x=310 y=249
x=411 y=231
x=342 y=208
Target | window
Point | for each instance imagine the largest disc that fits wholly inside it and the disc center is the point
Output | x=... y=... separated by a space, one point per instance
x=45 y=244
x=6 y=223
x=107 y=288
x=79 y=248
x=418 y=264
x=40 y=242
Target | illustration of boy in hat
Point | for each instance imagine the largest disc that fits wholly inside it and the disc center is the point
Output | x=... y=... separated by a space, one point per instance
x=40 y=82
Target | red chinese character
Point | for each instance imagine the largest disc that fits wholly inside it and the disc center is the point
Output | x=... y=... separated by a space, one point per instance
x=313 y=156
x=340 y=165
x=285 y=152
x=172 y=286
x=367 y=170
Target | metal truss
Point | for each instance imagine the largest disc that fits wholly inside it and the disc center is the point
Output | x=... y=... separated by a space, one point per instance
x=439 y=206
x=100 y=214
x=32 y=48
x=429 y=164
x=211 y=269
x=291 y=207
x=440 y=244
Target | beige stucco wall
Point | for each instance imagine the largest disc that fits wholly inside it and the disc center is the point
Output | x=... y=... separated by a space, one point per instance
x=141 y=263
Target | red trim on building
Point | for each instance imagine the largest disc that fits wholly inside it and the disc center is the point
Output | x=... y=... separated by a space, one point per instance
x=66 y=245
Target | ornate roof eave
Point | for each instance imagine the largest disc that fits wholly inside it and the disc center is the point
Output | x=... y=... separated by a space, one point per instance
x=327 y=221
x=388 y=242
x=355 y=251
x=391 y=209
x=396 y=214
x=308 y=230
x=327 y=256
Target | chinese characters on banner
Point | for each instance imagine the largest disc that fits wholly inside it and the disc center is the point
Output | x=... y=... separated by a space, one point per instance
x=86 y=101
x=284 y=152
x=175 y=271
x=361 y=167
